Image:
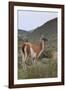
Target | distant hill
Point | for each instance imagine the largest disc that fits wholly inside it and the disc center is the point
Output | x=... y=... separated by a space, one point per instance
x=49 y=30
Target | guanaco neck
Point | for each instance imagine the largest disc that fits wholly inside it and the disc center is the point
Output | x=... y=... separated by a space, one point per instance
x=41 y=47
x=42 y=44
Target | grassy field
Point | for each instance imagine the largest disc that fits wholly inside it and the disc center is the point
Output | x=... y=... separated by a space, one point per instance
x=44 y=68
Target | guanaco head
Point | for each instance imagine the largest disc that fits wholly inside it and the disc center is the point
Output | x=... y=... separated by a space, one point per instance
x=42 y=38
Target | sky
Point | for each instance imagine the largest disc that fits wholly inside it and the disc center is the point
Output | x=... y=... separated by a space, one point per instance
x=29 y=20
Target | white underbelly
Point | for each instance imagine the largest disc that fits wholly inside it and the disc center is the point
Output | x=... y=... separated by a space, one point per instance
x=33 y=54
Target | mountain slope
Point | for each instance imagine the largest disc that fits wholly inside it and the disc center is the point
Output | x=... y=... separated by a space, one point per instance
x=49 y=30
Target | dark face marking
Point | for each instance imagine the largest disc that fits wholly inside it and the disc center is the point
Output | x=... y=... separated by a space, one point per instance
x=44 y=39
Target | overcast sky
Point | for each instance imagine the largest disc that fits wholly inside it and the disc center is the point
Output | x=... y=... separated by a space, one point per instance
x=29 y=20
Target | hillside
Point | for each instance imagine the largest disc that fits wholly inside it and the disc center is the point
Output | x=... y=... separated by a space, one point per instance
x=49 y=30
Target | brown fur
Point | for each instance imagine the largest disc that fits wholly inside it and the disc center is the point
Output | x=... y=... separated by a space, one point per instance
x=32 y=50
x=27 y=48
x=37 y=48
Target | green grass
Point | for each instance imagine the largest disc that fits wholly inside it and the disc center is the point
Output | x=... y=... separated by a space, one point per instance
x=45 y=68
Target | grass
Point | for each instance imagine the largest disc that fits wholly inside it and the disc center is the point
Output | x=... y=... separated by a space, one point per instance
x=44 y=68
